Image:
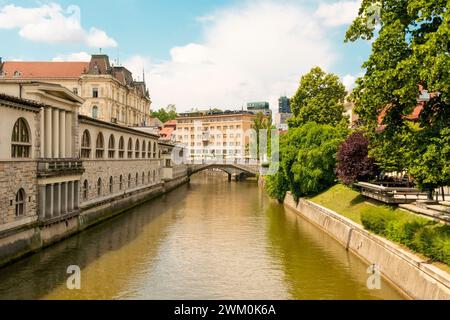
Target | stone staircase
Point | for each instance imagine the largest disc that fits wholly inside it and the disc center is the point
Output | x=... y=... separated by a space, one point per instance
x=436 y=210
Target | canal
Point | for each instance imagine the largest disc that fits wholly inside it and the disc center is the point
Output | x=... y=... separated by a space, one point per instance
x=211 y=239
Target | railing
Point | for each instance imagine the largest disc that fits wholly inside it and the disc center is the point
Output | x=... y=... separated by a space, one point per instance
x=48 y=167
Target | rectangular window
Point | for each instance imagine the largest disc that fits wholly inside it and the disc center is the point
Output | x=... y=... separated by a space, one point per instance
x=95 y=92
x=75 y=91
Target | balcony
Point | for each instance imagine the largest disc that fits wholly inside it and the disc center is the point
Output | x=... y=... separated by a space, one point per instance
x=59 y=167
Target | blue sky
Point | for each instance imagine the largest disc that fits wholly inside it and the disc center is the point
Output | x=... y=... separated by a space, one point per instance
x=196 y=53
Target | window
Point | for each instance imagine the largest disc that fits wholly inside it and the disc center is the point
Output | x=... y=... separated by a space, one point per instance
x=149 y=150
x=129 y=180
x=75 y=91
x=154 y=176
x=130 y=148
x=94 y=112
x=99 y=187
x=137 y=179
x=143 y=150
x=86 y=145
x=137 y=149
x=20 y=203
x=120 y=182
x=111 y=147
x=149 y=177
x=169 y=164
x=20 y=141
x=85 y=189
x=154 y=150
x=143 y=178
x=99 y=146
x=121 y=148
x=111 y=184
x=94 y=92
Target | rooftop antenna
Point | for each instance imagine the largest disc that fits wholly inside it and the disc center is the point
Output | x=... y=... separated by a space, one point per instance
x=143 y=75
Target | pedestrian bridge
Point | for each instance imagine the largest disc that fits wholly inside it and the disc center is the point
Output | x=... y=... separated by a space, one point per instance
x=239 y=168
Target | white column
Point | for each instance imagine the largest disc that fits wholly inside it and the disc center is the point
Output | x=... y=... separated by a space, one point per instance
x=48 y=132
x=70 y=205
x=42 y=124
x=55 y=133
x=42 y=201
x=62 y=134
x=69 y=135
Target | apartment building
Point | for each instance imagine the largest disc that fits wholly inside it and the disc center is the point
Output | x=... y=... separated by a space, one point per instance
x=213 y=135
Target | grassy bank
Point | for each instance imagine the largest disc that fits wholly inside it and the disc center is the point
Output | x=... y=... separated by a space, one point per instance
x=422 y=235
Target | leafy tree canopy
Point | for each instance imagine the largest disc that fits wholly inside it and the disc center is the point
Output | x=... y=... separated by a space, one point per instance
x=320 y=98
x=165 y=114
x=410 y=51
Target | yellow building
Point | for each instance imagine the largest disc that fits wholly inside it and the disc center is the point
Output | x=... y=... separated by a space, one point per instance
x=224 y=135
x=110 y=92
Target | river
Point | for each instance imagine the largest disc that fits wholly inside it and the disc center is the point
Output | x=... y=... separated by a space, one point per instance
x=210 y=239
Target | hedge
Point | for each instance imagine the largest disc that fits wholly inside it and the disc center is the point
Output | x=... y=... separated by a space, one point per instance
x=421 y=235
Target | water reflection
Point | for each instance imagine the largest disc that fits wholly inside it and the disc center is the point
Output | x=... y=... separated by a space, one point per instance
x=210 y=239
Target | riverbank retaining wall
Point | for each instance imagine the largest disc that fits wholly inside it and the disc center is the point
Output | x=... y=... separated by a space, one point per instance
x=34 y=236
x=412 y=275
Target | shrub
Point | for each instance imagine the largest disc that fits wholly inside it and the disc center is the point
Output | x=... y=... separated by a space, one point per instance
x=376 y=221
x=419 y=234
x=354 y=164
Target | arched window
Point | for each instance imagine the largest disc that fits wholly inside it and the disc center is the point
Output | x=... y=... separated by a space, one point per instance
x=86 y=145
x=99 y=146
x=143 y=150
x=20 y=141
x=137 y=178
x=95 y=112
x=120 y=182
x=143 y=178
x=111 y=184
x=99 y=187
x=154 y=150
x=20 y=203
x=149 y=177
x=121 y=147
x=129 y=180
x=85 y=189
x=111 y=147
x=130 y=149
x=137 y=149
x=149 y=150
x=154 y=176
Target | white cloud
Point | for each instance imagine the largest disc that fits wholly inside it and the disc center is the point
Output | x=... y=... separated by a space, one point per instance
x=50 y=23
x=256 y=51
x=349 y=82
x=78 y=56
x=338 y=13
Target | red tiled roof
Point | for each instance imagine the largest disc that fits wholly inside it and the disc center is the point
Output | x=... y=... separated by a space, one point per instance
x=36 y=70
x=170 y=123
x=166 y=132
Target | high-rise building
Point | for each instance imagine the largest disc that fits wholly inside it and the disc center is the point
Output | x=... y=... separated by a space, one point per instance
x=284 y=105
x=110 y=92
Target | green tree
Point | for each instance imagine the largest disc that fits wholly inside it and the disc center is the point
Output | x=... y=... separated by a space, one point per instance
x=410 y=49
x=307 y=160
x=262 y=122
x=319 y=98
x=165 y=114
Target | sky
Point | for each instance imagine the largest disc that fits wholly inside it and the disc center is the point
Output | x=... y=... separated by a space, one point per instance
x=195 y=54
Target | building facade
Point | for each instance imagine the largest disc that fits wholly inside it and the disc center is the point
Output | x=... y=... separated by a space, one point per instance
x=256 y=107
x=61 y=172
x=109 y=92
x=220 y=135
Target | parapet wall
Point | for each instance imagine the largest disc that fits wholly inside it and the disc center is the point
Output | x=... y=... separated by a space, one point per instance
x=409 y=273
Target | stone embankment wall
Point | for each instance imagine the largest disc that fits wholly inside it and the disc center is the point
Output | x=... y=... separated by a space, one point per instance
x=414 y=276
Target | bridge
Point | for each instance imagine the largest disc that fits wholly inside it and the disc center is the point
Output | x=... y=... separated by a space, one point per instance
x=241 y=169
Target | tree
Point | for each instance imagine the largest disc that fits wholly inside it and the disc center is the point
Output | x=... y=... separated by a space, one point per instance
x=320 y=98
x=165 y=114
x=307 y=160
x=354 y=164
x=410 y=53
